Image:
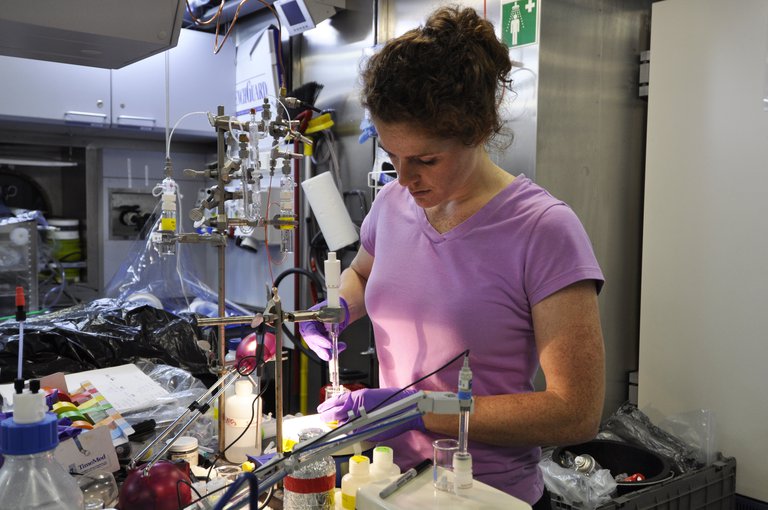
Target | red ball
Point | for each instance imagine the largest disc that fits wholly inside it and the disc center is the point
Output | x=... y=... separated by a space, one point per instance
x=247 y=347
x=160 y=489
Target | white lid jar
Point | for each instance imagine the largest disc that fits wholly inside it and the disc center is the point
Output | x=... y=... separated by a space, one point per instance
x=185 y=448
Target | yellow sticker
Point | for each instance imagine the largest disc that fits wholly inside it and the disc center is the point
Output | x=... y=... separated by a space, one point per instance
x=288 y=444
x=168 y=224
x=347 y=501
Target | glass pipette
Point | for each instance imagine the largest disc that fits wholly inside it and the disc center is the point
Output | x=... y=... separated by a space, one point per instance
x=333 y=363
x=332 y=283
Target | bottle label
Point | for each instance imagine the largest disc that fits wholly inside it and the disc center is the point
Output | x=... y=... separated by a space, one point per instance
x=167 y=224
x=347 y=501
x=310 y=485
x=189 y=457
x=238 y=422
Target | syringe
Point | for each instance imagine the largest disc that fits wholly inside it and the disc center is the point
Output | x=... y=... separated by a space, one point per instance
x=332 y=283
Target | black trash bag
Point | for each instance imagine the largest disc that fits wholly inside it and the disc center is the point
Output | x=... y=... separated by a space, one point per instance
x=101 y=334
x=633 y=426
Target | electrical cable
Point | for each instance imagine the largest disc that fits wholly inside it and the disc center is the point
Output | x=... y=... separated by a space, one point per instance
x=253 y=411
x=465 y=353
x=213 y=18
x=319 y=284
x=328 y=140
x=386 y=426
x=178 y=495
x=443 y=367
x=264 y=504
x=235 y=486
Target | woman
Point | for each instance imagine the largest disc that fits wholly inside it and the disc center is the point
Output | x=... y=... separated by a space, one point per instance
x=459 y=254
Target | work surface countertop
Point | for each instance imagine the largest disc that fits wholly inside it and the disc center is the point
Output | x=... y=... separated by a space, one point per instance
x=420 y=493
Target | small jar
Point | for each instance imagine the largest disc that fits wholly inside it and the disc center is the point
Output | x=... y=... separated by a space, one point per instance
x=185 y=448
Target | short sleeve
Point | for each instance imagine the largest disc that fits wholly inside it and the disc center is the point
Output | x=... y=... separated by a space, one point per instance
x=559 y=254
x=368 y=228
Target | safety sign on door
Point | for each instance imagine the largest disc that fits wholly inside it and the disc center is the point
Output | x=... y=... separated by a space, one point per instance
x=519 y=22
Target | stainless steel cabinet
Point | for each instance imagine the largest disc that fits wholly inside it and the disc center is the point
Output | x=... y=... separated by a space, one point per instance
x=199 y=81
x=50 y=91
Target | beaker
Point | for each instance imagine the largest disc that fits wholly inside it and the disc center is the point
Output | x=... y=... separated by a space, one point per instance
x=442 y=463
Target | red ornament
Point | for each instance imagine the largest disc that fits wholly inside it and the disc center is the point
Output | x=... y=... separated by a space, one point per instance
x=162 y=488
x=247 y=347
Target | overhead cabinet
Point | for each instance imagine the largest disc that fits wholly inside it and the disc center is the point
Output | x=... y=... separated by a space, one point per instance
x=133 y=97
x=199 y=81
x=49 y=91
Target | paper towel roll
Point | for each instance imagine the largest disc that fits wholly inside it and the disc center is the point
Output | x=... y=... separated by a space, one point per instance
x=331 y=213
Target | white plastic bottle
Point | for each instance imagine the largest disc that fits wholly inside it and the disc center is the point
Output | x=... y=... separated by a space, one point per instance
x=383 y=465
x=31 y=477
x=238 y=410
x=229 y=360
x=359 y=475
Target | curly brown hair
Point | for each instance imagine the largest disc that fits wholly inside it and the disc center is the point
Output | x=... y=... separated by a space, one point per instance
x=445 y=77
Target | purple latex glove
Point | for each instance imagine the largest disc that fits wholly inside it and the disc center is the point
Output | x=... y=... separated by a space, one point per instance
x=337 y=409
x=66 y=430
x=317 y=334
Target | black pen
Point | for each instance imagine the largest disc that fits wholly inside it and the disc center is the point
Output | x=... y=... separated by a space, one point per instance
x=405 y=478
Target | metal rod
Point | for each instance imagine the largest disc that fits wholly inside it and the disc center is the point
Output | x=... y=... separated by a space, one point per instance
x=278 y=324
x=222 y=249
x=215 y=321
x=323 y=315
x=213 y=392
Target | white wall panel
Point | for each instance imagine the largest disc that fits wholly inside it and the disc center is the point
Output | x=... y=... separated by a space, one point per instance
x=704 y=286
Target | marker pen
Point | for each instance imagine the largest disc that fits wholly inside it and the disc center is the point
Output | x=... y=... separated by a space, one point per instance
x=405 y=478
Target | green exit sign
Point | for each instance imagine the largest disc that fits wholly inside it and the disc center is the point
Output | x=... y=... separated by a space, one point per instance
x=519 y=22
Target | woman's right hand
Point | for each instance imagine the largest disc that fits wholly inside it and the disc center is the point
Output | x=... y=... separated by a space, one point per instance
x=317 y=334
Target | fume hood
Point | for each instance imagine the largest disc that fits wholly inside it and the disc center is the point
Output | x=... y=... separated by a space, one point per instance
x=95 y=33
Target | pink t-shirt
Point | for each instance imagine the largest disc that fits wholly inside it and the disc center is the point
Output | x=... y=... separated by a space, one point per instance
x=430 y=296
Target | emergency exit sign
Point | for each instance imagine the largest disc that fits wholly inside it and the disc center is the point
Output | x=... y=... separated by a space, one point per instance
x=519 y=22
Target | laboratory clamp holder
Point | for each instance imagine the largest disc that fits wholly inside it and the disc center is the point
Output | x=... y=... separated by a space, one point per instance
x=238 y=148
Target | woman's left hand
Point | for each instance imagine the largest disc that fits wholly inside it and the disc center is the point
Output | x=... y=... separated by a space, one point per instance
x=338 y=408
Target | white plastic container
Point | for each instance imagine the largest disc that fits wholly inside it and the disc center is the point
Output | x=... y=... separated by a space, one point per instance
x=359 y=475
x=238 y=410
x=383 y=465
x=229 y=360
x=31 y=477
x=185 y=448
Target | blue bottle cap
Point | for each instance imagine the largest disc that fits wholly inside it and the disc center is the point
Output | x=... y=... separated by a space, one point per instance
x=28 y=438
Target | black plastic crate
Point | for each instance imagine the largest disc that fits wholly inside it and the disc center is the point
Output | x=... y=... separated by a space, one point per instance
x=710 y=488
